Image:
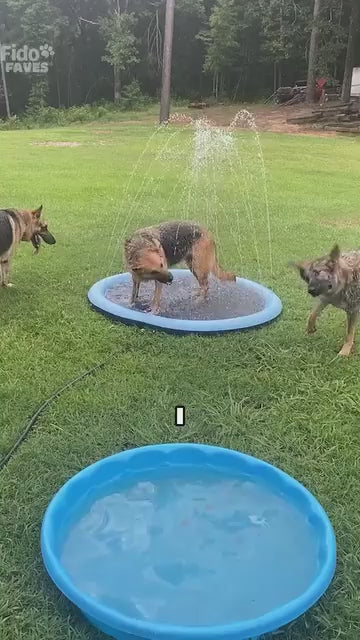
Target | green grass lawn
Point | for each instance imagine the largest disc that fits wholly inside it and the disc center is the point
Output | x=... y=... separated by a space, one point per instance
x=273 y=393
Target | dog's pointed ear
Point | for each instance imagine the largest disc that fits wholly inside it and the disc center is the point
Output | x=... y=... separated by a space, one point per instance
x=37 y=212
x=334 y=254
x=303 y=269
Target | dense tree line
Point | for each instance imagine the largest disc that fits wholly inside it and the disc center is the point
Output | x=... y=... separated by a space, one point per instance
x=234 y=49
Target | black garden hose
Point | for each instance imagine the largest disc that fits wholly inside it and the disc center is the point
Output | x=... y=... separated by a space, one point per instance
x=30 y=424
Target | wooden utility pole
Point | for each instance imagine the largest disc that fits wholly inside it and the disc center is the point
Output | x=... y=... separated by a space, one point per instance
x=314 y=42
x=167 y=59
x=3 y=77
x=349 y=62
x=3 y=81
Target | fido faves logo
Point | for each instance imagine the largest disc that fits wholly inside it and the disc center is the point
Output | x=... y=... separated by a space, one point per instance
x=26 y=59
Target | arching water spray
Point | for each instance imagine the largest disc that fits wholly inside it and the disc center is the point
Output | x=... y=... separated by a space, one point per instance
x=245 y=116
x=199 y=171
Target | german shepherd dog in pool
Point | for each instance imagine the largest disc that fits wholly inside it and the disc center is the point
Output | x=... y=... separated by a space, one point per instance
x=18 y=225
x=149 y=253
x=334 y=280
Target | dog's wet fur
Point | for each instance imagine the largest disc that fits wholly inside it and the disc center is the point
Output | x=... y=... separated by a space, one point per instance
x=17 y=225
x=149 y=253
x=334 y=280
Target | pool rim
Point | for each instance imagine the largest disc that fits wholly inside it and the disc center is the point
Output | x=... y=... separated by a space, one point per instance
x=251 y=628
x=99 y=301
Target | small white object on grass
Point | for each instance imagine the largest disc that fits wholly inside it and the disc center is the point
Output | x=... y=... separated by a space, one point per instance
x=179 y=416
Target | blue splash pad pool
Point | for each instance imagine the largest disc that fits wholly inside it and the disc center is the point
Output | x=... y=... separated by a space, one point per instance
x=256 y=305
x=187 y=541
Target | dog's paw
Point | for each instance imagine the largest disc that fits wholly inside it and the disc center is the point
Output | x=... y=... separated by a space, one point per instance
x=310 y=330
x=154 y=310
x=7 y=285
x=199 y=296
x=346 y=350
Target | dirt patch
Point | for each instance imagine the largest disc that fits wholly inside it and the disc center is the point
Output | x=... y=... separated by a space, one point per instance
x=269 y=118
x=108 y=131
x=57 y=144
x=349 y=223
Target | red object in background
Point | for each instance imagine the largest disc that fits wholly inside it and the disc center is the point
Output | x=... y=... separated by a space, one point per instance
x=319 y=87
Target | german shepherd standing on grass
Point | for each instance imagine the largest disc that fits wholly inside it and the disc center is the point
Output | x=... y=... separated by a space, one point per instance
x=335 y=280
x=17 y=225
x=151 y=251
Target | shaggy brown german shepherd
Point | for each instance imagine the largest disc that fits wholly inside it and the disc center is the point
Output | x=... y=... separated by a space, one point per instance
x=151 y=251
x=17 y=225
x=335 y=280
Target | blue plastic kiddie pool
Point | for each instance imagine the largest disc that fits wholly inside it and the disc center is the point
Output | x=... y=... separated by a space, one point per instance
x=230 y=306
x=187 y=542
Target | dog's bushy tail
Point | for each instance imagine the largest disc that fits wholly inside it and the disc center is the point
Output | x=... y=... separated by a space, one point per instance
x=218 y=272
x=223 y=275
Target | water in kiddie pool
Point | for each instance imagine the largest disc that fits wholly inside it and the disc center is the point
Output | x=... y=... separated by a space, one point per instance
x=197 y=548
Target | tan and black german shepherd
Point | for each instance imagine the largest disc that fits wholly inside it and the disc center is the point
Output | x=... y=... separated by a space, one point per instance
x=151 y=251
x=334 y=280
x=18 y=225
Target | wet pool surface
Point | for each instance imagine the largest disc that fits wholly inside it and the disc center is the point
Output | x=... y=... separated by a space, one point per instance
x=179 y=300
